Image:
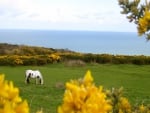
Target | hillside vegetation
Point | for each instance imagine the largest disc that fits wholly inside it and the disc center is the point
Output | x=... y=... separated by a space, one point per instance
x=11 y=49
x=32 y=55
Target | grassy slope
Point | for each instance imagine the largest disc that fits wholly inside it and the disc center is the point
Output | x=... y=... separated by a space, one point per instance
x=135 y=80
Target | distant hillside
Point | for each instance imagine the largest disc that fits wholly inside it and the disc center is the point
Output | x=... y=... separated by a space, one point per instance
x=32 y=55
x=12 y=49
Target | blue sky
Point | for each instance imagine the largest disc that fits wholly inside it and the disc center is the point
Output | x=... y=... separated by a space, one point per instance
x=95 y=15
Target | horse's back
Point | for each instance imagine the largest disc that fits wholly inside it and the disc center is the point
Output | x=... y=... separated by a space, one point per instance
x=29 y=70
x=33 y=73
x=37 y=72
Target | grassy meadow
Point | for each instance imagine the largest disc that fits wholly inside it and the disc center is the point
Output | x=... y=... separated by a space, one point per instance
x=134 y=79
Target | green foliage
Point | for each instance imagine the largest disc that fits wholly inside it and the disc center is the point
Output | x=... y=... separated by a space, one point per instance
x=104 y=58
x=132 y=9
x=137 y=13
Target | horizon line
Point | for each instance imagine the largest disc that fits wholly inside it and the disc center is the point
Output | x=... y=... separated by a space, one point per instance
x=67 y=30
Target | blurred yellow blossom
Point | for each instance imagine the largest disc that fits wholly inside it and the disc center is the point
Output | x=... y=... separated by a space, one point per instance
x=84 y=97
x=18 y=61
x=144 y=23
x=124 y=105
x=10 y=101
x=88 y=79
x=142 y=108
x=40 y=111
x=54 y=57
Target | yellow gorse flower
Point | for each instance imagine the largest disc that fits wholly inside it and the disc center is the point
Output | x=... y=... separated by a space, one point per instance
x=144 y=23
x=84 y=97
x=142 y=108
x=54 y=57
x=124 y=105
x=88 y=79
x=10 y=101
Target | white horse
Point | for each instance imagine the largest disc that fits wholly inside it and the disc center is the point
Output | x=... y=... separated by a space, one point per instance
x=34 y=74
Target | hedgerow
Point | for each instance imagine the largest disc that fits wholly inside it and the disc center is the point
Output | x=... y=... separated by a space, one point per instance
x=60 y=57
x=108 y=58
x=15 y=60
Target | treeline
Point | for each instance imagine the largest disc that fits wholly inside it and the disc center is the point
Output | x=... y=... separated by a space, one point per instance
x=31 y=55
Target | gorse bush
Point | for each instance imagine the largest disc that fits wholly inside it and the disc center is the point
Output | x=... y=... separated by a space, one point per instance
x=84 y=97
x=139 y=13
x=80 y=96
x=10 y=101
x=15 y=60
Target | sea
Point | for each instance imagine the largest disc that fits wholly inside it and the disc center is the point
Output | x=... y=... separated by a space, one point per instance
x=96 y=42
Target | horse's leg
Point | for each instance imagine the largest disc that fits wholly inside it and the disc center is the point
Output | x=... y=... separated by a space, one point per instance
x=41 y=79
x=25 y=79
x=28 y=78
x=36 y=80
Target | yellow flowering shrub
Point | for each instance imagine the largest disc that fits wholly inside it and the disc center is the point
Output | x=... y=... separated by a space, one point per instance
x=54 y=57
x=144 y=23
x=82 y=96
x=10 y=101
x=137 y=11
x=120 y=104
x=18 y=61
x=142 y=109
x=124 y=105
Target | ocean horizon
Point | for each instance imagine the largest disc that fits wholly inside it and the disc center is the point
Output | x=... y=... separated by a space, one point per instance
x=96 y=42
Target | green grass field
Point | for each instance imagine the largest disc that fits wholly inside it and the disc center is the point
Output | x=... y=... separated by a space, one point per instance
x=133 y=78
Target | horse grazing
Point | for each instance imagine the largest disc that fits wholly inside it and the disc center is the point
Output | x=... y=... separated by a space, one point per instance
x=33 y=74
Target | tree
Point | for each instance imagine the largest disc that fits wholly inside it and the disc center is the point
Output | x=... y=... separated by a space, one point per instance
x=139 y=13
